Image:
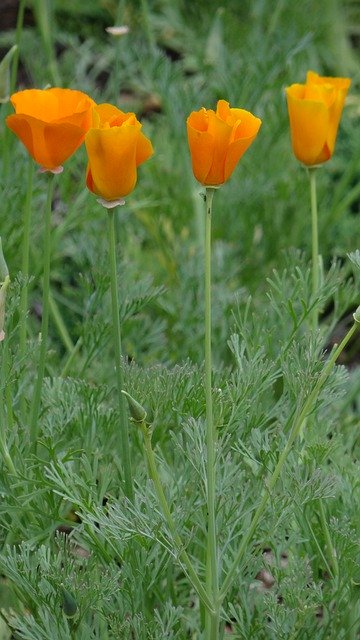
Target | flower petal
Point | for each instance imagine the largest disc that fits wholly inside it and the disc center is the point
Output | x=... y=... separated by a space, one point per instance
x=112 y=170
x=201 y=144
x=245 y=134
x=309 y=124
x=144 y=149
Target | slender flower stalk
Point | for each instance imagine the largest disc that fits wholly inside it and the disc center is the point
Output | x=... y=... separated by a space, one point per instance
x=18 y=33
x=115 y=147
x=314 y=244
x=35 y=406
x=13 y=76
x=334 y=566
x=212 y=579
x=217 y=141
x=124 y=426
x=25 y=271
x=296 y=428
x=4 y=451
x=186 y=561
x=315 y=325
x=71 y=357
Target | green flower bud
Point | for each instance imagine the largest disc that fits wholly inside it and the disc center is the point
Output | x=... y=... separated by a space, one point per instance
x=4 y=271
x=137 y=412
x=69 y=603
x=3 y=288
x=356 y=315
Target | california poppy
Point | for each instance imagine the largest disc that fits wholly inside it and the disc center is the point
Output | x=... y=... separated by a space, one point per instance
x=51 y=123
x=217 y=140
x=115 y=147
x=315 y=110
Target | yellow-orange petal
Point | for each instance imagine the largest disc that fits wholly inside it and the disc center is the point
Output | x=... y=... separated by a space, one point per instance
x=220 y=131
x=50 y=104
x=144 y=149
x=342 y=84
x=223 y=110
x=38 y=103
x=48 y=144
x=309 y=124
x=201 y=144
x=108 y=113
x=246 y=133
x=246 y=125
x=62 y=141
x=111 y=152
x=51 y=123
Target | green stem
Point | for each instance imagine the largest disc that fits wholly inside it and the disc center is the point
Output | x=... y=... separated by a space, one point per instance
x=329 y=545
x=296 y=428
x=71 y=357
x=153 y=472
x=25 y=273
x=7 y=389
x=35 y=406
x=124 y=427
x=61 y=326
x=315 y=323
x=14 y=68
x=18 y=32
x=212 y=579
x=314 y=244
x=3 y=402
x=44 y=13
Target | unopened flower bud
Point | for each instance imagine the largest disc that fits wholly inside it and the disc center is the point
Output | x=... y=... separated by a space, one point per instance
x=137 y=412
x=4 y=283
x=357 y=315
x=69 y=603
x=4 y=271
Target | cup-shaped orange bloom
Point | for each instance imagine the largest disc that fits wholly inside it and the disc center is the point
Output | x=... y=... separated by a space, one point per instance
x=51 y=123
x=315 y=110
x=115 y=146
x=217 y=140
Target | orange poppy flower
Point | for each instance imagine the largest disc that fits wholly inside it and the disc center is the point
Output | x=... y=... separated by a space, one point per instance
x=217 y=140
x=115 y=146
x=315 y=110
x=51 y=123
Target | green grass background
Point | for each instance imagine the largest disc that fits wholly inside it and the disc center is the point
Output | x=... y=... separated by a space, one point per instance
x=177 y=57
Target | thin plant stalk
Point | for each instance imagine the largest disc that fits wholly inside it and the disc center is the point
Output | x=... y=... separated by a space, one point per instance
x=4 y=451
x=315 y=325
x=44 y=14
x=71 y=357
x=124 y=426
x=153 y=473
x=25 y=272
x=5 y=401
x=212 y=578
x=328 y=541
x=295 y=430
x=61 y=326
x=314 y=244
x=13 y=76
x=18 y=32
x=7 y=386
x=35 y=406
